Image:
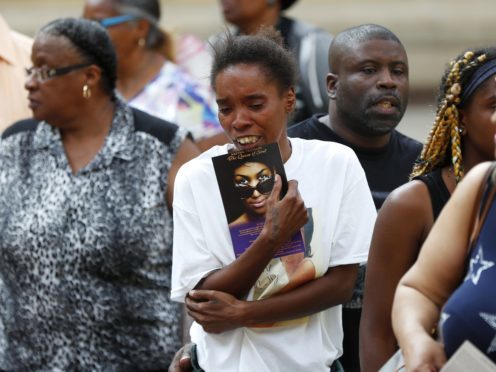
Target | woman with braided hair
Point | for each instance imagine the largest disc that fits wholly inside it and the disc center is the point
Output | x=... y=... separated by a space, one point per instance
x=461 y=137
x=460 y=298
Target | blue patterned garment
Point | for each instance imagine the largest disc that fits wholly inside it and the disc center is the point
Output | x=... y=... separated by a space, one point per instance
x=86 y=258
x=470 y=313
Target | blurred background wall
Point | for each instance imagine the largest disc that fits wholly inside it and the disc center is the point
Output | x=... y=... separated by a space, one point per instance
x=433 y=32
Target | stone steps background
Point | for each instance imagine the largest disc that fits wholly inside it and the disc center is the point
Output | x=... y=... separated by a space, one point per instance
x=433 y=32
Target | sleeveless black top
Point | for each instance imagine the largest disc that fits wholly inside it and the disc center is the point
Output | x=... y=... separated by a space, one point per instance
x=437 y=190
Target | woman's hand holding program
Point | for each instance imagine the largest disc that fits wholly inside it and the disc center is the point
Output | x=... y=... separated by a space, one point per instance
x=286 y=216
x=424 y=354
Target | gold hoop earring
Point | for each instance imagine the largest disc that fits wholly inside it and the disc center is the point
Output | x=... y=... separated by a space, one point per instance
x=86 y=91
x=141 y=42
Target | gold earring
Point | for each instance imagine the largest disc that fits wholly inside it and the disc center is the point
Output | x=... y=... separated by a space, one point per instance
x=141 y=42
x=86 y=91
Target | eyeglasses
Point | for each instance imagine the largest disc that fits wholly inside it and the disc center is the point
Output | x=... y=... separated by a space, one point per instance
x=113 y=21
x=44 y=73
x=263 y=187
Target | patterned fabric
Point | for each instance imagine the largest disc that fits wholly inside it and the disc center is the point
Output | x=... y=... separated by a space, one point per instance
x=193 y=57
x=175 y=97
x=470 y=312
x=86 y=258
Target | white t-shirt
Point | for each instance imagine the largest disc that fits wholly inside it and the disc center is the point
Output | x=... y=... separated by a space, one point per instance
x=333 y=186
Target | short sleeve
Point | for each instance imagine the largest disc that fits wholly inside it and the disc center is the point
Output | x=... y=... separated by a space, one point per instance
x=355 y=221
x=192 y=260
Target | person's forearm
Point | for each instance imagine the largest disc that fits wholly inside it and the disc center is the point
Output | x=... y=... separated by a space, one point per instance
x=414 y=315
x=238 y=277
x=376 y=348
x=334 y=288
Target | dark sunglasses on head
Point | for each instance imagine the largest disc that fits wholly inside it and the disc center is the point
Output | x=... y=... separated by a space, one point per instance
x=117 y=20
x=263 y=187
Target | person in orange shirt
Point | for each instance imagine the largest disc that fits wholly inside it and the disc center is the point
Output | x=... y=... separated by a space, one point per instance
x=15 y=56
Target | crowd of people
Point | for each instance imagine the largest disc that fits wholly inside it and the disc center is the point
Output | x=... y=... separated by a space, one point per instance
x=116 y=253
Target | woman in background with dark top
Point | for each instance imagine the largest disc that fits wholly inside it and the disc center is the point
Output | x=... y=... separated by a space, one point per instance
x=85 y=216
x=147 y=76
x=462 y=137
x=308 y=43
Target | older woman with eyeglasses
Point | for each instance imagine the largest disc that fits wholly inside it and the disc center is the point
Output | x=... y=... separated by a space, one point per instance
x=85 y=216
x=148 y=78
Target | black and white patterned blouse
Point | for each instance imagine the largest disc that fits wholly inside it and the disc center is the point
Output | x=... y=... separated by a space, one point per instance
x=86 y=258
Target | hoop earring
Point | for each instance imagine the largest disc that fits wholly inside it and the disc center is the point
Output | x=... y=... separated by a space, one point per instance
x=141 y=42
x=462 y=130
x=86 y=91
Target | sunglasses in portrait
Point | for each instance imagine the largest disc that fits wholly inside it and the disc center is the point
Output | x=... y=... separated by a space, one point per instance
x=45 y=73
x=263 y=187
x=117 y=20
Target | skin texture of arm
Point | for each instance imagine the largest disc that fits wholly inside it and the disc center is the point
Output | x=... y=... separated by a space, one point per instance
x=425 y=288
x=187 y=151
x=219 y=312
x=401 y=227
x=283 y=219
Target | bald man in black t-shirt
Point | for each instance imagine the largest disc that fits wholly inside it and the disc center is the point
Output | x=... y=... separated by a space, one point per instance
x=368 y=94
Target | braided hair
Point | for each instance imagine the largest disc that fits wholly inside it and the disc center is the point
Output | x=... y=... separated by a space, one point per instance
x=443 y=145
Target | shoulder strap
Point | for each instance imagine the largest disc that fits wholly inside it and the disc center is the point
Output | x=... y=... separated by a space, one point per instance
x=26 y=125
x=486 y=195
x=163 y=130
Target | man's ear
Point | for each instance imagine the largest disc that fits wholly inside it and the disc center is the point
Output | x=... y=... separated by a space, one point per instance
x=332 y=83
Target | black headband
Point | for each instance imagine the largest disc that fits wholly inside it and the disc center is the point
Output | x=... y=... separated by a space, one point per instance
x=480 y=76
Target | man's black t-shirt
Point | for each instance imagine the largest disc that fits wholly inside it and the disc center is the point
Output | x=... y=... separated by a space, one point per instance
x=385 y=169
